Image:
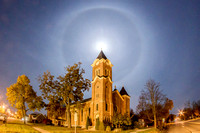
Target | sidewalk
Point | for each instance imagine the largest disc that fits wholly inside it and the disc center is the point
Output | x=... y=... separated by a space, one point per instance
x=41 y=130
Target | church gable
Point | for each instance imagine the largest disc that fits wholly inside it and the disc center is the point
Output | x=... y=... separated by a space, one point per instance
x=123 y=91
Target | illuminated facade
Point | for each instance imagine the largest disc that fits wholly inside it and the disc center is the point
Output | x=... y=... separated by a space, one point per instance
x=105 y=101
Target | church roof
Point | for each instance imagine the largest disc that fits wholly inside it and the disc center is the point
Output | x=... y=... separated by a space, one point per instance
x=123 y=91
x=84 y=100
x=101 y=55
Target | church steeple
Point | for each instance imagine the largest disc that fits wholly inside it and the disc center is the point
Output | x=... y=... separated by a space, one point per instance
x=102 y=87
x=101 y=55
x=123 y=91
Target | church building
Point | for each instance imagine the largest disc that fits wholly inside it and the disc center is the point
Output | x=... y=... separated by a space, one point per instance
x=104 y=101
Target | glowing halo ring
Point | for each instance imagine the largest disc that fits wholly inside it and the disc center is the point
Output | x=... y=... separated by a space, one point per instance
x=117 y=10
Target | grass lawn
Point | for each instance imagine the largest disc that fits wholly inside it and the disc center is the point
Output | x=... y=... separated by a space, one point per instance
x=16 y=128
x=57 y=129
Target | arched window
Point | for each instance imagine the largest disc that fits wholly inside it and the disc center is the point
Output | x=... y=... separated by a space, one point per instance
x=115 y=108
x=106 y=107
x=97 y=107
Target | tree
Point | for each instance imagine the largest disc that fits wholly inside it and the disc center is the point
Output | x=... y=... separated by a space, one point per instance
x=21 y=94
x=171 y=118
x=134 y=118
x=49 y=86
x=67 y=88
x=120 y=120
x=153 y=103
x=190 y=110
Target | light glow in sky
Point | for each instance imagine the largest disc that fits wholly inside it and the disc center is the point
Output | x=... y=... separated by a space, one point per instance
x=101 y=45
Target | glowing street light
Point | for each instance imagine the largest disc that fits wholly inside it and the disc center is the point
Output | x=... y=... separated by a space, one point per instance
x=181 y=112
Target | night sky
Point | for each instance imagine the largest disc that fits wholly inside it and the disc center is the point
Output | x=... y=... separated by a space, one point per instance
x=143 y=39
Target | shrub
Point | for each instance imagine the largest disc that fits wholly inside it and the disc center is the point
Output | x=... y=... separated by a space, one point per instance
x=101 y=126
x=136 y=124
x=87 y=123
x=97 y=124
x=108 y=128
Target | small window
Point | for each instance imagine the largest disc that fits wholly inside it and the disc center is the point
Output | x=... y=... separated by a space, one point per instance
x=89 y=111
x=96 y=72
x=99 y=72
x=97 y=107
x=106 y=107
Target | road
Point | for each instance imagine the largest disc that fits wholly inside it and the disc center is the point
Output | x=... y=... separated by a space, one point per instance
x=191 y=126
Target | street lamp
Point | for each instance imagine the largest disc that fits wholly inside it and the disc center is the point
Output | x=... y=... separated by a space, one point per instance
x=181 y=112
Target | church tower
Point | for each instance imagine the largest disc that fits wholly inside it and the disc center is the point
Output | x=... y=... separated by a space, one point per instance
x=102 y=105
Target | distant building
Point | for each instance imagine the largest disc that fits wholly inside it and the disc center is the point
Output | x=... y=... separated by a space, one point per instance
x=104 y=101
x=36 y=117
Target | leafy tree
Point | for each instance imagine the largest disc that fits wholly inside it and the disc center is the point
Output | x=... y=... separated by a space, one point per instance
x=54 y=109
x=171 y=118
x=190 y=110
x=49 y=86
x=152 y=103
x=163 y=108
x=71 y=87
x=117 y=119
x=120 y=120
x=66 y=89
x=21 y=94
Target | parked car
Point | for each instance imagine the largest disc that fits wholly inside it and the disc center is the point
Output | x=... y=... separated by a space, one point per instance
x=3 y=118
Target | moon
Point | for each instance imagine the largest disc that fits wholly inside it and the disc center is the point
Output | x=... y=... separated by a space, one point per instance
x=101 y=45
x=108 y=29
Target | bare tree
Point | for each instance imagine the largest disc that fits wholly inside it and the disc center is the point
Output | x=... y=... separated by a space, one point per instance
x=149 y=100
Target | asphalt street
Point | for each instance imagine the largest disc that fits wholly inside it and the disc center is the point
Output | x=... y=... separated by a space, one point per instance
x=191 y=126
